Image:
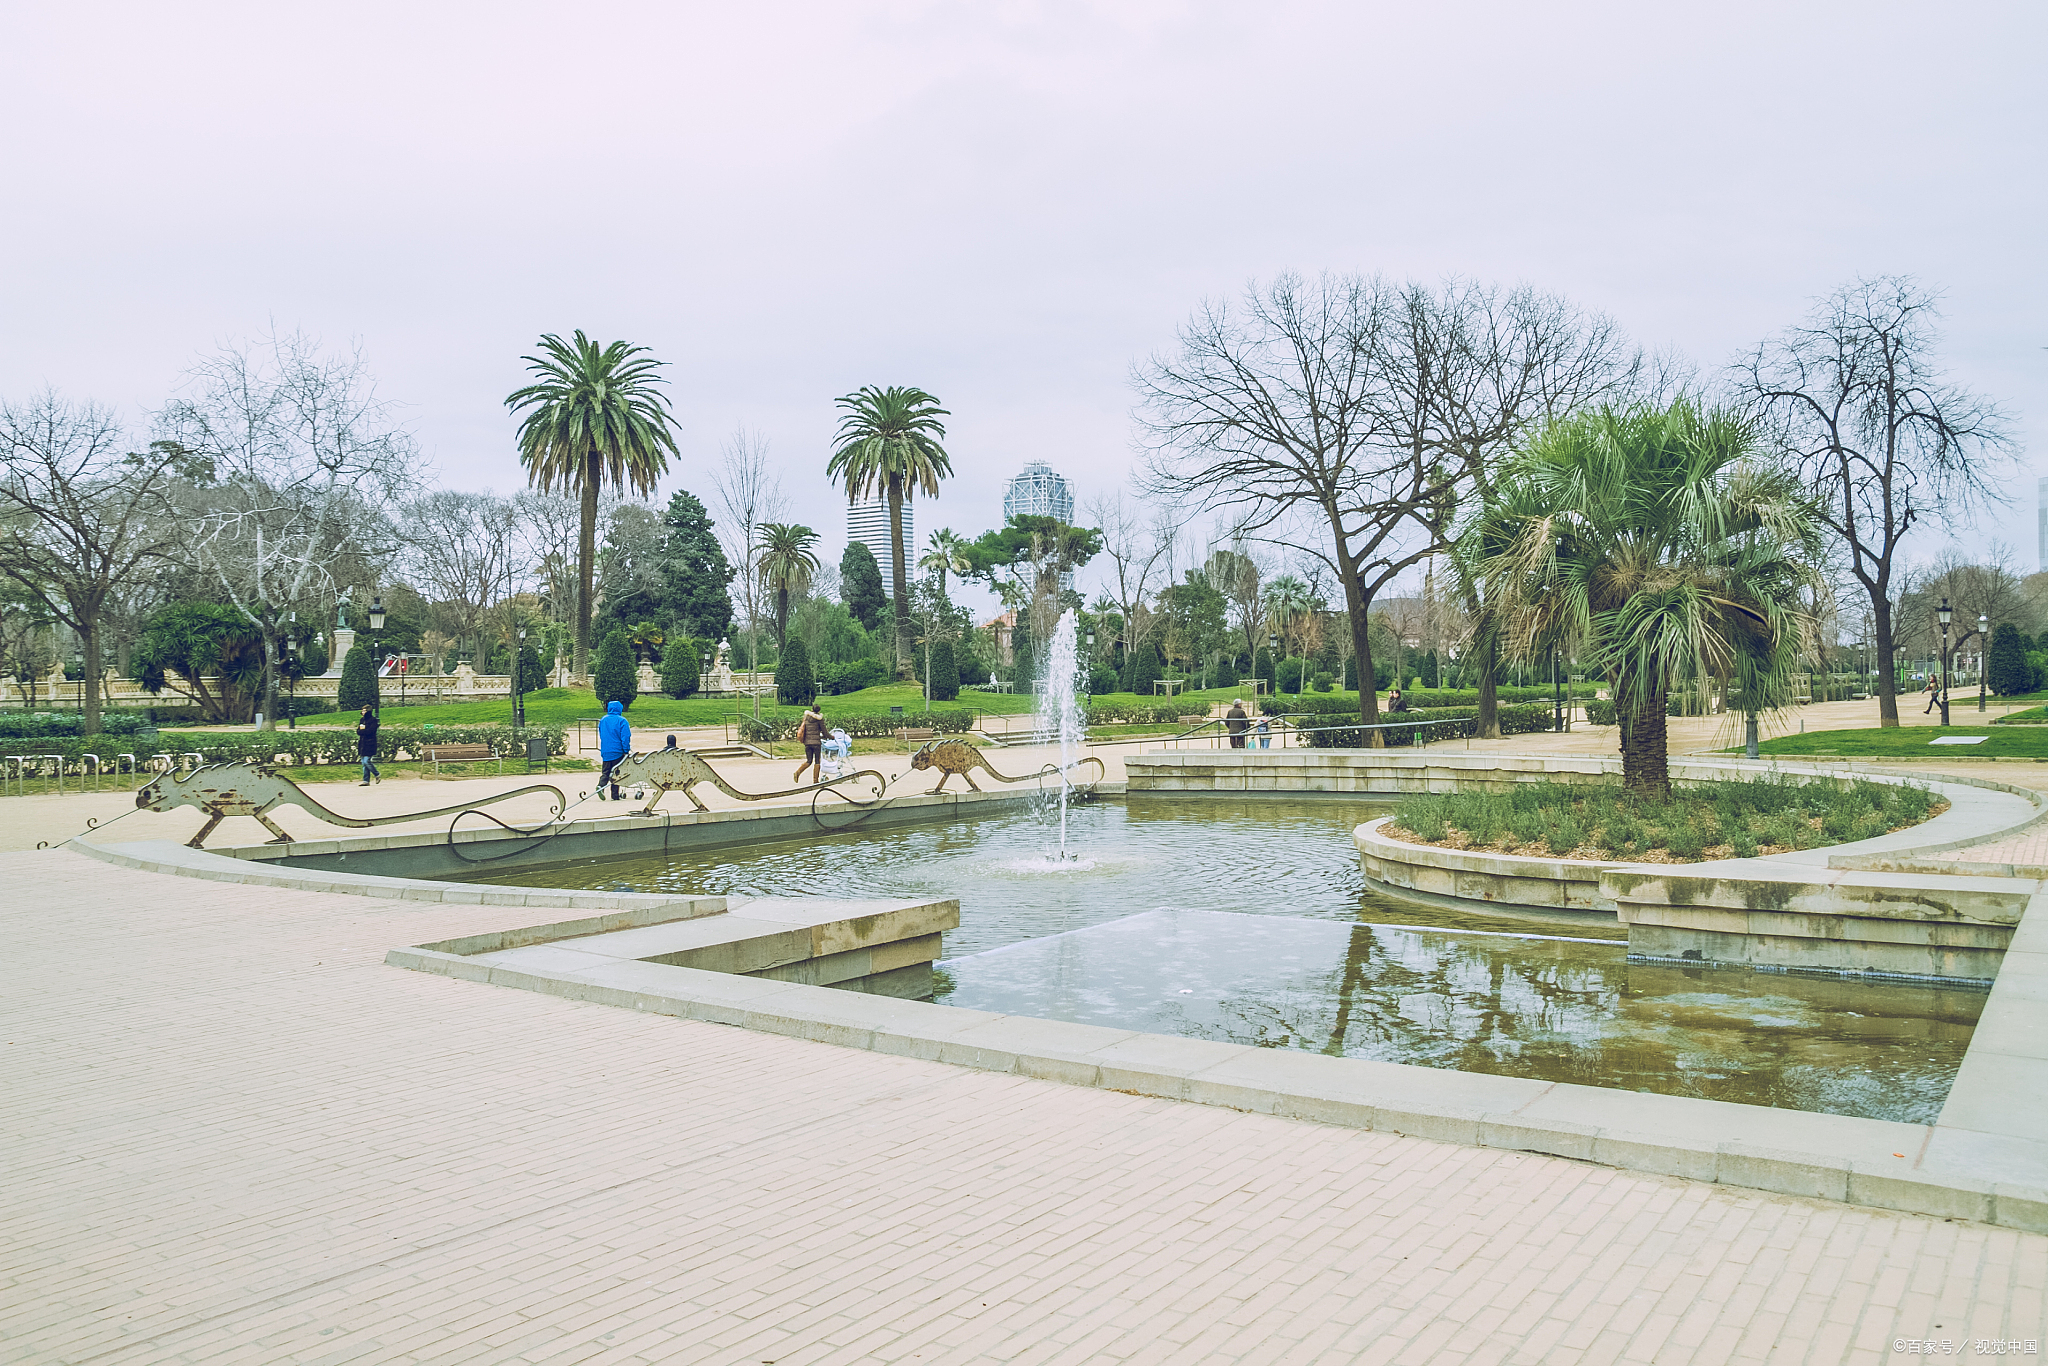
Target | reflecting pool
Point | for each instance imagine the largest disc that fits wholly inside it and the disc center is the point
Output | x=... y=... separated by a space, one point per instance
x=1249 y=921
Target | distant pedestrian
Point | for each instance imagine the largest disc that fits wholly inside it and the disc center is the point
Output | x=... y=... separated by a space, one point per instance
x=1265 y=734
x=366 y=747
x=614 y=743
x=811 y=731
x=1933 y=692
x=1396 y=702
x=1236 y=722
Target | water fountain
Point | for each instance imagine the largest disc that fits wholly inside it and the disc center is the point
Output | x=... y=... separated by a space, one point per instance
x=1059 y=712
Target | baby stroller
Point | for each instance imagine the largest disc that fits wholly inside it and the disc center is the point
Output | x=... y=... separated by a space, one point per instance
x=838 y=754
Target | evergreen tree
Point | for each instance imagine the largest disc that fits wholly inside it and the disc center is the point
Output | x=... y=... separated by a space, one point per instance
x=1262 y=667
x=1024 y=653
x=2005 y=667
x=616 y=679
x=860 y=585
x=694 y=570
x=358 y=681
x=945 y=680
x=682 y=665
x=794 y=686
x=1144 y=669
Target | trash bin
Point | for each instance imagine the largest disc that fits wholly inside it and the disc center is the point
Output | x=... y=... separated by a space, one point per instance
x=536 y=752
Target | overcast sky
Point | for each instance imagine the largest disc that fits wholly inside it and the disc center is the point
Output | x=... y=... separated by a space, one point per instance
x=1003 y=204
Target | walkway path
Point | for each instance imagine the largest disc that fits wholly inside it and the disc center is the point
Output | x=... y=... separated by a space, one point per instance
x=229 y=1133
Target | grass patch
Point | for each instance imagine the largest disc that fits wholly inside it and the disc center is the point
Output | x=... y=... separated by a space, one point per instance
x=1740 y=818
x=2018 y=742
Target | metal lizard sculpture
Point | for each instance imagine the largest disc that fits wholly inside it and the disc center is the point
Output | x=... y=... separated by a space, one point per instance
x=957 y=756
x=249 y=787
x=673 y=770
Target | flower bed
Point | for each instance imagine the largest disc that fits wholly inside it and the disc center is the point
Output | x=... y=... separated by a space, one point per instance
x=1729 y=819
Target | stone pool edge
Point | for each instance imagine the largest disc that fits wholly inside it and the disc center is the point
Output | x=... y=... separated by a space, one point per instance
x=1878 y=1163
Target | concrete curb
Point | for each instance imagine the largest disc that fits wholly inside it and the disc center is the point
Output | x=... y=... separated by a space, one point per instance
x=1876 y=1163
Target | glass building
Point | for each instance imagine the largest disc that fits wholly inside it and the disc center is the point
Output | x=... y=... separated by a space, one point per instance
x=868 y=523
x=1038 y=492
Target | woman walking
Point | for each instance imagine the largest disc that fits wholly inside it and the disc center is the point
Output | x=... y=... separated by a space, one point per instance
x=366 y=747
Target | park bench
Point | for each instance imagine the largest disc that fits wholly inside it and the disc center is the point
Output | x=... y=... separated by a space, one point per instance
x=911 y=735
x=455 y=754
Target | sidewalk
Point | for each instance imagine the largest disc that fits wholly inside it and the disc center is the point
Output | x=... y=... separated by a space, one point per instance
x=232 y=1134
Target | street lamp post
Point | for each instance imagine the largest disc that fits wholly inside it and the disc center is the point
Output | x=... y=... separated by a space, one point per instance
x=291 y=677
x=1983 y=655
x=1944 y=613
x=377 y=634
x=519 y=680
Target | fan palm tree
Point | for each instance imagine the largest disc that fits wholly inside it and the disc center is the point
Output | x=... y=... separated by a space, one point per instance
x=947 y=552
x=1652 y=537
x=1287 y=600
x=889 y=446
x=786 y=565
x=592 y=415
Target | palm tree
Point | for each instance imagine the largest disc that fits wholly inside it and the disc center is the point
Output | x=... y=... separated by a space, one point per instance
x=948 y=552
x=889 y=444
x=1652 y=537
x=1287 y=599
x=594 y=415
x=787 y=564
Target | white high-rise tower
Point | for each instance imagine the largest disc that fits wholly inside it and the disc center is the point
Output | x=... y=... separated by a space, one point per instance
x=868 y=523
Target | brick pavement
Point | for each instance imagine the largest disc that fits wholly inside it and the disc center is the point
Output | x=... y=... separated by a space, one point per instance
x=229 y=1133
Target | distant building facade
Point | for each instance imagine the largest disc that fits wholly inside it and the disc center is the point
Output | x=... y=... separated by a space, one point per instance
x=1038 y=492
x=868 y=523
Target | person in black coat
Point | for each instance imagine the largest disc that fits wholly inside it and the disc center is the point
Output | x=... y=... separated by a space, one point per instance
x=366 y=747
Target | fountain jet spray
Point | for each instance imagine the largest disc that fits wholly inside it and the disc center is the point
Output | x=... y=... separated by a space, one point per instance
x=1059 y=708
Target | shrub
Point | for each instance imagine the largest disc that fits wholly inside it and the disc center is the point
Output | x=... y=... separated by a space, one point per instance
x=794 y=686
x=945 y=680
x=1287 y=677
x=834 y=679
x=1324 y=683
x=861 y=725
x=681 y=668
x=1599 y=712
x=616 y=678
x=358 y=681
x=1102 y=678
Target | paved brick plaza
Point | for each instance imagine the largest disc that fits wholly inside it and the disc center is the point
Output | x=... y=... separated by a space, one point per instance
x=229 y=1133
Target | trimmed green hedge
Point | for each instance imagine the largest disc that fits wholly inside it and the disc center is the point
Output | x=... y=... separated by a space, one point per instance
x=1444 y=723
x=29 y=725
x=321 y=745
x=868 y=726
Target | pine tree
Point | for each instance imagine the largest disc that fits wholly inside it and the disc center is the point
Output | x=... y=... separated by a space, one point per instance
x=616 y=679
x=1262 y=667
x=794 y=685
x=945 y=680
x=860 y=586
x=694 y=571
x=1145 y=669
x=533 y=676
x=358 y=681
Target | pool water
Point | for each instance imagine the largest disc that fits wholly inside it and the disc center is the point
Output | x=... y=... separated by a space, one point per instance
x=1249 y=921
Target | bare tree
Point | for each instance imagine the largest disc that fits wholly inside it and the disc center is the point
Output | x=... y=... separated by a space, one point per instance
x=464 y=550
x=80 y=519
x=750 y=496
x=1349 y=417
x=1986 y=587
x=1238 y=574
x=305 y=461
x=1854 y=400
x=1138 y=552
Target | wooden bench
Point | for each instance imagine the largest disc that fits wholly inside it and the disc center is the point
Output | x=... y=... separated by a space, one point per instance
x=455 y=754
x=911 y=735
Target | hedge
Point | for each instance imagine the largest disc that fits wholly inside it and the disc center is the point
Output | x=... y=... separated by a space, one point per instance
x=864 y=725
x=1445 y=723
x=25 y=725
x=328 y=745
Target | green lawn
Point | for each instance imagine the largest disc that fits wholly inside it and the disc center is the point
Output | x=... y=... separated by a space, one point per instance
x=1913 y=742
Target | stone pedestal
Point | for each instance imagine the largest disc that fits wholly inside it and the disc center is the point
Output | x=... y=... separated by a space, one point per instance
x=343 y=639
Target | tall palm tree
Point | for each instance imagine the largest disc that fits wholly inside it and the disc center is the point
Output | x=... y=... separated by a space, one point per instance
x=1655 y=539
x=947 y=552
x=889 y=445
x=593 y=415
x=1287 y=600
x=787 y=564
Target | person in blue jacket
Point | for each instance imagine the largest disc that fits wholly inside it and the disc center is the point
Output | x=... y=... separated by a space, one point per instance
x=614 y=743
